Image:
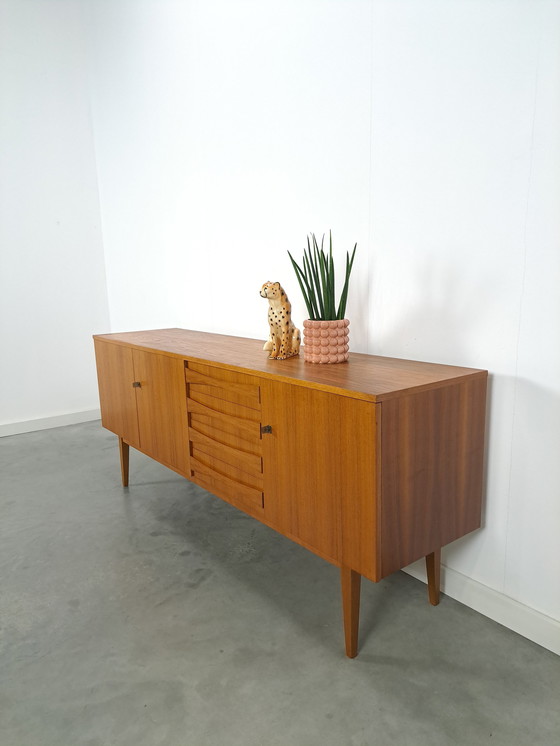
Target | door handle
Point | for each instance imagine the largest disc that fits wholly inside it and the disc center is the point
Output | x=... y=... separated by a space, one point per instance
x=266 y=429
x=136 y=385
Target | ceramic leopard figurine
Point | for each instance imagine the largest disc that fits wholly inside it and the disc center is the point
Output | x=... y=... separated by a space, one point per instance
x=284 y=338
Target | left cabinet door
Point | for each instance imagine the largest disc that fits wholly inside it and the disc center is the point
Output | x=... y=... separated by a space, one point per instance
x=162 y=408
x=115 y=375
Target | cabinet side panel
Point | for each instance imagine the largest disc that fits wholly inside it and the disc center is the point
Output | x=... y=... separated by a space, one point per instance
x=432 y=451
x=115 y=375
x=359 y=488
x=162 y=408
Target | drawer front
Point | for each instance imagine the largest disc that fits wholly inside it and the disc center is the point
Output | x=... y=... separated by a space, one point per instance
x=226 y=488
x=214 y=383
x=243 y=460
x=222 y=406
x=243 y=435
x=224 y=426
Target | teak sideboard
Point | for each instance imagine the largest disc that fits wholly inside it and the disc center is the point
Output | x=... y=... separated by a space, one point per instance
x=371 y=464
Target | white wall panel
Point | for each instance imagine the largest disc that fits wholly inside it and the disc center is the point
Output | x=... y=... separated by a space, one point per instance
x=227 y=132
x=52 y=281
x=533 y=556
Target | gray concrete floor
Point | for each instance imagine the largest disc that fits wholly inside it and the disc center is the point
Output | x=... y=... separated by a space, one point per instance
x=159 y=615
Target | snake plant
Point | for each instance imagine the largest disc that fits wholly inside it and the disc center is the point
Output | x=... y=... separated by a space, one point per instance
x=317 y=282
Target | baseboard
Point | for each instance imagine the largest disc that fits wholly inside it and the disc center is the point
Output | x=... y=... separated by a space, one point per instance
x=524 y=620
x=45 y=423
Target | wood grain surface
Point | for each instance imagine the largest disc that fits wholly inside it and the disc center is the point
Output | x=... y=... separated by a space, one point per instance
x=115 y=375
x=303 y=464
x=432 y=447
x=224 y=432
x=366 y=377
x=162 y=418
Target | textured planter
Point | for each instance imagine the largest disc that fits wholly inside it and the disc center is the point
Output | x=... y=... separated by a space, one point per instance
x=325 y=341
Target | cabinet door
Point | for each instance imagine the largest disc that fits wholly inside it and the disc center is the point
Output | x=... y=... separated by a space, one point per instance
x=161 y=402
x=319 y=463
x=115 y=375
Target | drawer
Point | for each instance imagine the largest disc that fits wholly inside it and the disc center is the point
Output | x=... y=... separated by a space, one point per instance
x=206 y=384
x=233 y=431
x=235 y=457
x=223 y=406
x=225 y=487
x=222 y=468
x=227 y=431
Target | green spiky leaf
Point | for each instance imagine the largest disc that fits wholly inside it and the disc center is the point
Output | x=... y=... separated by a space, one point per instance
x=316 y=277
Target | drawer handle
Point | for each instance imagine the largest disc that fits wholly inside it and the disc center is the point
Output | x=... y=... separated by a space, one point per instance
x=136 y=385
x=266 y=429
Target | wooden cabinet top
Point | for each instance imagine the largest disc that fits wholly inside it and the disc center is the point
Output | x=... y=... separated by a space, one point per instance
x=367 y=377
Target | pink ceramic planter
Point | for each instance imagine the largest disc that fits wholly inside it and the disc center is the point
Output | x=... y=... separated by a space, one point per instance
x=325 y=341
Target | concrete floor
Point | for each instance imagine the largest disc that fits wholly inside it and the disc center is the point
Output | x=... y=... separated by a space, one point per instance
x=159 y=615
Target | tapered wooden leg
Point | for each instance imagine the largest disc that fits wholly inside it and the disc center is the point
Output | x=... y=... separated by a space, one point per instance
x=351 y=583
x=433 y=565
x=124 y=450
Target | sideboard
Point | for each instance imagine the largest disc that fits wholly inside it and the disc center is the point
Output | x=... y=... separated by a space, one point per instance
x=371 y=464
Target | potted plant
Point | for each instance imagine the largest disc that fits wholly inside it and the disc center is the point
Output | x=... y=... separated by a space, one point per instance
x=325 y=333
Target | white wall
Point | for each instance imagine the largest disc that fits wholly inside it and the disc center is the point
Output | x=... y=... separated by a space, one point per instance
x=52 y=279
x=425 y=130
x=226 y=131
x=466 y=251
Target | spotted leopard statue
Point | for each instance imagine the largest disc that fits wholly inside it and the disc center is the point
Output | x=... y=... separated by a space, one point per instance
x=284 y=339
